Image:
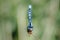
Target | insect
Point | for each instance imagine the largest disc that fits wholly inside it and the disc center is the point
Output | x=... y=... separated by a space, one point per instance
x=30 y=27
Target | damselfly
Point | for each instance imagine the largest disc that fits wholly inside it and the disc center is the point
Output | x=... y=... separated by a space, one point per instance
x=30 y=27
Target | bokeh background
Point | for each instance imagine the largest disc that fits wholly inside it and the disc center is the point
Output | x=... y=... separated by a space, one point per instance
x=45 y=19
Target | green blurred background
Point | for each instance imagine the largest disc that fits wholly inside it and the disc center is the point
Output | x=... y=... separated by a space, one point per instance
x=45 y=19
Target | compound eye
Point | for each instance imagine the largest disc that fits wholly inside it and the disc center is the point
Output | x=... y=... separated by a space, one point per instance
x=29 y=31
